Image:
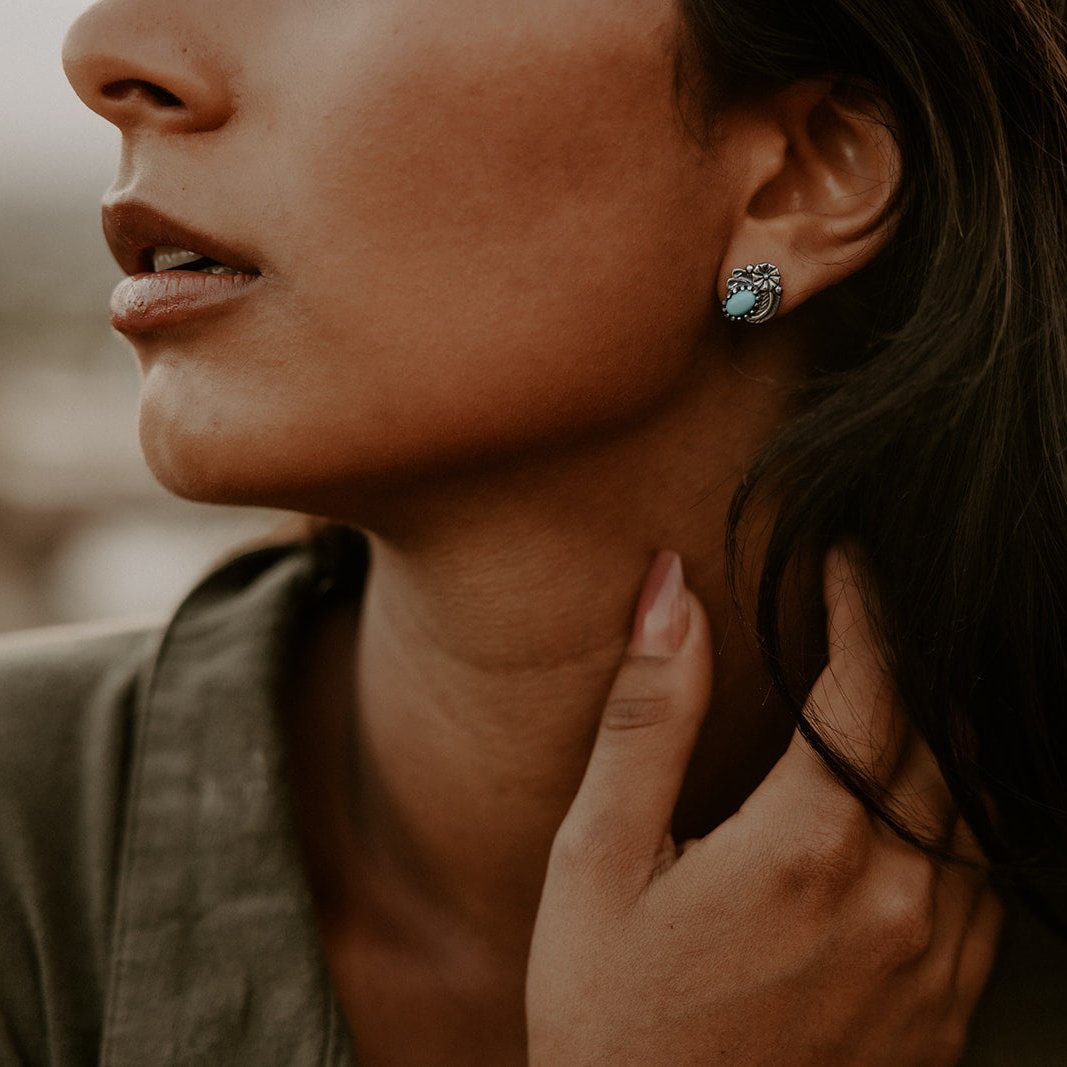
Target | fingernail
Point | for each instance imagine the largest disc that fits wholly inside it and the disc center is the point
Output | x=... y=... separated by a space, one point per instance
x=662 y=618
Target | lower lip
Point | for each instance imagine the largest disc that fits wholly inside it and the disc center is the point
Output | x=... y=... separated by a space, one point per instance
x=145 y=303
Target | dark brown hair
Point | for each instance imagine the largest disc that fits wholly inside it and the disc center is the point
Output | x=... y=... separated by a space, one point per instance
x=941 y=448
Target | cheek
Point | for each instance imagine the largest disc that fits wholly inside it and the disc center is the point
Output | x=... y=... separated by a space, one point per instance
x=488 y=252
x=515 y=260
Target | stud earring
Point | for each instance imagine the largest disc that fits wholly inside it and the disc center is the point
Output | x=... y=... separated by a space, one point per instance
x=753 y=294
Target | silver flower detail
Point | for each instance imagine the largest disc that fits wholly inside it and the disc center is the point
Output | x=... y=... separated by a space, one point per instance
x=762 y=279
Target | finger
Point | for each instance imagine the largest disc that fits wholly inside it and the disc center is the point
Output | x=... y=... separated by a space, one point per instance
x=964 y=844
x=979 y=950
x=853 y=703
x=852 y=706
x=648 y=729
x=918 y=796
x=961 y=885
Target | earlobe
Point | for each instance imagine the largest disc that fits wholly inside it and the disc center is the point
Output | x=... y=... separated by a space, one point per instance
x=753 y=293
x=823 y=168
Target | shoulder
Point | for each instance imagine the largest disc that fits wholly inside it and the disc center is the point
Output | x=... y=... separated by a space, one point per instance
x=112 y=738
x=66 y=694
x=67 y=702
x=61 y=664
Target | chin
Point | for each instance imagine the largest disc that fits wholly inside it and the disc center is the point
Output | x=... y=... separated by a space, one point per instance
x=192 y=469
x=206 y=457
x=202 y=446
x=217 y=460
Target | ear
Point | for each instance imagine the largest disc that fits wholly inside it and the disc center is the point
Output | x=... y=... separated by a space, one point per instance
x=818 y=167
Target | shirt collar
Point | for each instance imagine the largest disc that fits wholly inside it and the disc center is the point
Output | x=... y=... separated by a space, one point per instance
x=216 y=957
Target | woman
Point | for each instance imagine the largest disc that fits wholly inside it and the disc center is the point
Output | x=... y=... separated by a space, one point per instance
x=461 y=276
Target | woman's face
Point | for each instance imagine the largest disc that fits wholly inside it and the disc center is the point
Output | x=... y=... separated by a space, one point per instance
x=481 y=229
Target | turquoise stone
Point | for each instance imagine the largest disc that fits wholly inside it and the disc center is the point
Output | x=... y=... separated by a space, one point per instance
x=741 y=303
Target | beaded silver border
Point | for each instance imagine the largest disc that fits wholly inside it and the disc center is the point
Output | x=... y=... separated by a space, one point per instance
x=763 y=279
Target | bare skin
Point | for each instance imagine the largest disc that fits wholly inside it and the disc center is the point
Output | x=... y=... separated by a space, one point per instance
x=485 y=329
x=458 y=802
x=798 y=889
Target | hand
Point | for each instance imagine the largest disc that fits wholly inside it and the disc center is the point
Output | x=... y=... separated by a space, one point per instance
x=800 y=931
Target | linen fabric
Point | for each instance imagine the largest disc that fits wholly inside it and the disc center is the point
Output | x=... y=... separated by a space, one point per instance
x=153 y=905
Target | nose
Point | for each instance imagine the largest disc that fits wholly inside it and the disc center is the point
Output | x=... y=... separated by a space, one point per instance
x=141 y=65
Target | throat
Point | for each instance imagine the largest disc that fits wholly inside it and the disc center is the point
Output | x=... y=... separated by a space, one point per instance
x=405 y=1004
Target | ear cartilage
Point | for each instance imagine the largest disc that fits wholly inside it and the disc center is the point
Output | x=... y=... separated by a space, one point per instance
x=753 y=294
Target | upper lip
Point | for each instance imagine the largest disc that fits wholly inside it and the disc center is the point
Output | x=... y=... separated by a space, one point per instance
x=134 y=228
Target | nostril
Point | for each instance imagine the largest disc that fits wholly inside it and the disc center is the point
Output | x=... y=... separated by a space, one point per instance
x=129 y=88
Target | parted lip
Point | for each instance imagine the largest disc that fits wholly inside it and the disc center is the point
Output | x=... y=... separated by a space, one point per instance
x=134 y=228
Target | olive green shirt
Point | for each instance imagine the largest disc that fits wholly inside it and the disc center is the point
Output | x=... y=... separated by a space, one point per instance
x=153 y=907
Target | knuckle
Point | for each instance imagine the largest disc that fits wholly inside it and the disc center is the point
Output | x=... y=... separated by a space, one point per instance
x=902 y=924
x=584 y=851
x=828 y=860
x=939 y=988
x=640 y=711
x=951 y=1041
x=569 y=847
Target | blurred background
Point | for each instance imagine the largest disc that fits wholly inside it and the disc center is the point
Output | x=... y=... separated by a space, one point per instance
x=84 y=530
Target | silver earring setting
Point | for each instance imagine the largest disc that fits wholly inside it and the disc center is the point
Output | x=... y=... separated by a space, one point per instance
x=753 y=294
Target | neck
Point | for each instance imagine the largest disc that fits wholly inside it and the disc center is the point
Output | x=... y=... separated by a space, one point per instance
x=487 y=642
